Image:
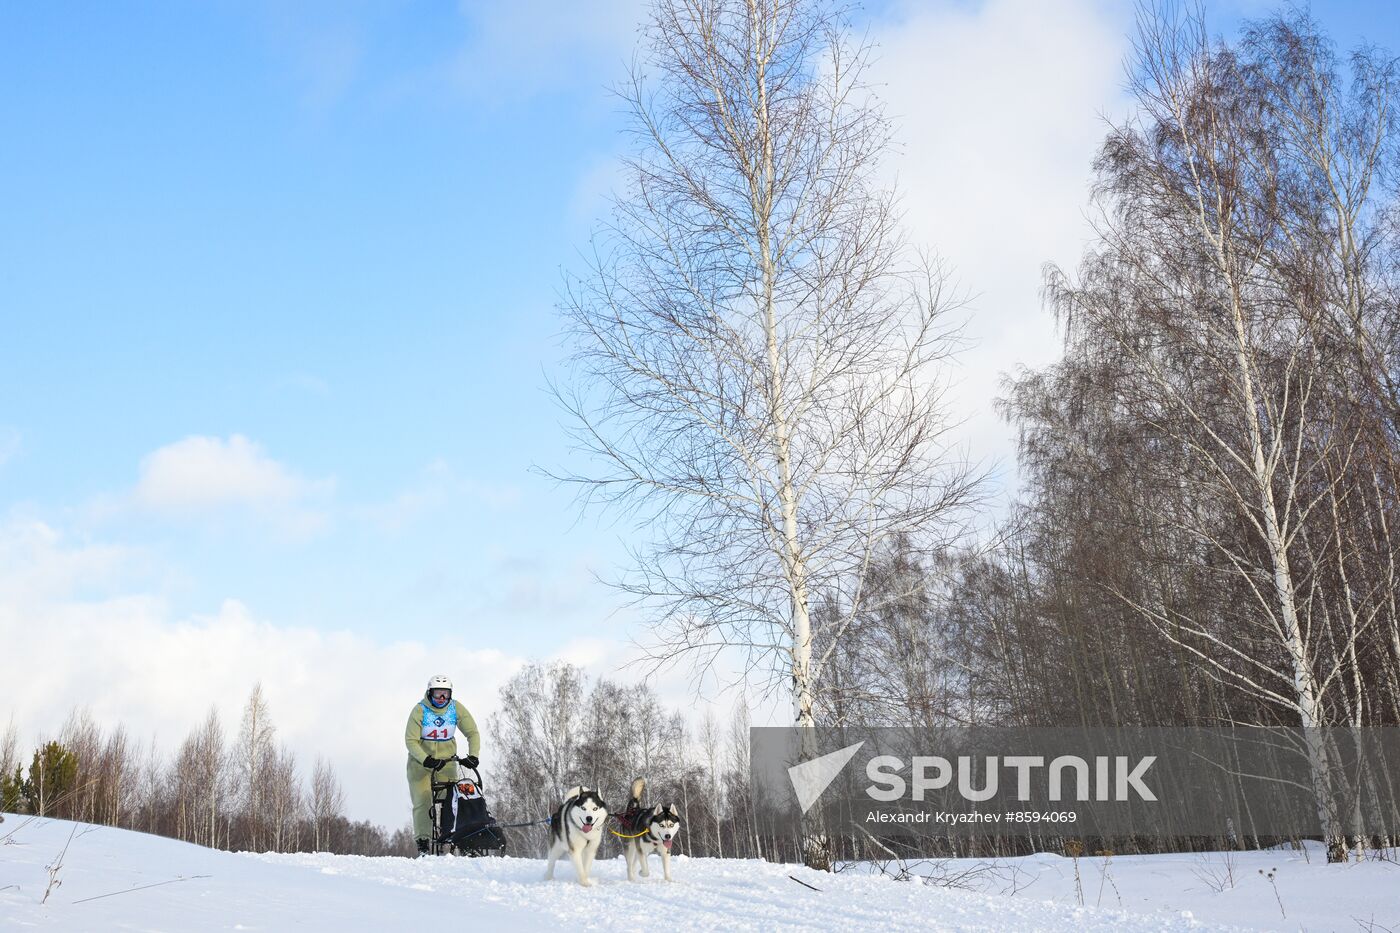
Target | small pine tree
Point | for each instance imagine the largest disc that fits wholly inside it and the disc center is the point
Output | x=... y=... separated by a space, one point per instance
x=12 y=791
x=53 y=774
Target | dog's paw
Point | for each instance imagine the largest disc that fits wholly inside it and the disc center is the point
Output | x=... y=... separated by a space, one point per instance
x=587 y=882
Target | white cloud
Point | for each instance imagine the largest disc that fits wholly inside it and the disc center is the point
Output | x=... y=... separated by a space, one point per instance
x=38 y=564
x=213 y=479
x=998 y=112
x=203 y=472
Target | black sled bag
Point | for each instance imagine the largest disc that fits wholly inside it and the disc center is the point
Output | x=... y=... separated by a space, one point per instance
x=467 y=822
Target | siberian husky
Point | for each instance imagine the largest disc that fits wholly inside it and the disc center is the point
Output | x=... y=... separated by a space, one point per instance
x=575 y=830
x=657 y=826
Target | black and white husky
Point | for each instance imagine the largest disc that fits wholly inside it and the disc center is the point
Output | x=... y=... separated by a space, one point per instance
x=575 y=830
x=648 y=833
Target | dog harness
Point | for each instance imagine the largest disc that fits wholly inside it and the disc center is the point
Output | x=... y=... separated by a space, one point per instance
x=629 y=819
x=439 y=725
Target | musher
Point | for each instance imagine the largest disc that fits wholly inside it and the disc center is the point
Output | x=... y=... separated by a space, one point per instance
x=431 y=737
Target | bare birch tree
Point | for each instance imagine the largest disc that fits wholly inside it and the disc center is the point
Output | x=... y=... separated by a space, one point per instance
x=536 y=733
x=196 y=782
x=709 y=747
x=757 y=352
x=283 y=800
x=116 y=784
x=150 y=781
x=82 y=737
x=326 y=803
x=253 y=754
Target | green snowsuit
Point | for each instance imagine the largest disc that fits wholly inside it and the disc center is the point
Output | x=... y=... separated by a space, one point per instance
x=420 y=779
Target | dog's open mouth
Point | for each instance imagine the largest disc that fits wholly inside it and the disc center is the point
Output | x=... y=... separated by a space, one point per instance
x=587 y=827
x=666 y=843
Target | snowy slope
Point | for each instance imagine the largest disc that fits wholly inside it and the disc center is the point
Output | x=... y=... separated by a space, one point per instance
x=346 y=893
x=1304 y=893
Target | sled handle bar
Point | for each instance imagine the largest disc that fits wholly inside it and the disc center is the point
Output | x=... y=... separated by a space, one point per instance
x=475 y=773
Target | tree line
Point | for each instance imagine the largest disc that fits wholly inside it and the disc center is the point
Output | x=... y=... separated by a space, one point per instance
x=244 y=793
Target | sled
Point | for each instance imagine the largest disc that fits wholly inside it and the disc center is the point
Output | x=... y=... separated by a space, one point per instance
x=462 y=823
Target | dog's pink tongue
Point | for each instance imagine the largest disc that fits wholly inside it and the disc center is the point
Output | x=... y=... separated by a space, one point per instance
x=588 y=827
x=666 y=843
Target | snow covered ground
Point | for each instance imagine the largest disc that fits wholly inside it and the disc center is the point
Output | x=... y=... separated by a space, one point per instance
x=102 y=874
x=1274 y=890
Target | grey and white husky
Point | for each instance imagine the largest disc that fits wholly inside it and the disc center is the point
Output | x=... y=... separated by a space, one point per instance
x=657 y=828
x=575 y=830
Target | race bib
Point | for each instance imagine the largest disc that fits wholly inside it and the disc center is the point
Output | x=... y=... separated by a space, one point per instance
x=439 y=725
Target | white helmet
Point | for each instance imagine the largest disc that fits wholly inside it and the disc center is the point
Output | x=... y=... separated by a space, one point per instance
x=438 y=682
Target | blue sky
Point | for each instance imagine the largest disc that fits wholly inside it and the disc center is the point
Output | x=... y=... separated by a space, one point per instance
x=277 y=288
x=324 y=233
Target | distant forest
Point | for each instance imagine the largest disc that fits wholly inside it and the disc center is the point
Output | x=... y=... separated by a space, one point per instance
x=249 y=794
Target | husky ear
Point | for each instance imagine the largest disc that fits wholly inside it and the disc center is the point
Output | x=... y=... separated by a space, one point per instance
x=656 y=810
x=671 y=809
